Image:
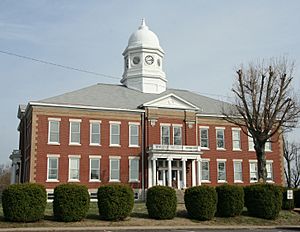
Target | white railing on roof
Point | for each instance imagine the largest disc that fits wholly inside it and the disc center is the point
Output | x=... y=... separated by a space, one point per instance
x=174 y=147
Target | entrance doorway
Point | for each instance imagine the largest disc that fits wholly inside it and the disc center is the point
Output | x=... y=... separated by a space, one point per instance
x=163 y=177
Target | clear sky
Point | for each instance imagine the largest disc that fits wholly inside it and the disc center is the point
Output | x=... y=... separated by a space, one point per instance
x=204 y=42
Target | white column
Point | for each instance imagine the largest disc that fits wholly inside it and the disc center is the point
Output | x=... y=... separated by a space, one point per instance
x=13 y=173
x=178 y=179
x=193 y=173
x=169 y=172
x=184 y=172
x=199 y=171
x=154 y=171
x=149 y=173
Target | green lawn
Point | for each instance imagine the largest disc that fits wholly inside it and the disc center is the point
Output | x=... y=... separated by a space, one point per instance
x=139 y=217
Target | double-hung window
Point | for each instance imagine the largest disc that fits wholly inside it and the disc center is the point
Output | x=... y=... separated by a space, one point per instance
x=236 y=139
x=133 y=134
x=95 y=133
x=204 y=142
x=115 y=133
x=134 y=168
x=53 y=130
x=268 y=145
x=74 y=167
x=165 y=134
x=221 y=170
x=94 y=168
x=250 y=142
x=253 y=171
x=177 y=135
x=75 y=131
x=205 y=177
x=52 y=166
x=220 y=138
x=238 y=171
x=269 y=167
x=114 y=168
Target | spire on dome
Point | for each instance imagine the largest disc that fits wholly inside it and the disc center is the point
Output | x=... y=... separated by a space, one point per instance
x=143 y=24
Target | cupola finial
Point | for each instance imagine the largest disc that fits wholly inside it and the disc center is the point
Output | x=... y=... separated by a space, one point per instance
x=143 y=24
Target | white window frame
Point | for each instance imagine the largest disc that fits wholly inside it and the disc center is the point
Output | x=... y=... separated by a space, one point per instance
x=71 y=121
x=94 y=157
x=51 y=120
x=253 y=162
x=52 y=156
x=98 y=122
x=114 y=158
x=131 y=124
x=161 y=133
x=270 y=162
x=180 y=127
x=222 y=129
x=207 y=129
x=239 y=161
x=131 y=158
x=74 y=157
x=238 y=131
x=111 y=124
x=218 y=171
x=250 y=142
x=208 y=161
x=268 y=145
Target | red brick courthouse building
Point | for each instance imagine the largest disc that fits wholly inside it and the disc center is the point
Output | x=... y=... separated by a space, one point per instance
x=139 y=133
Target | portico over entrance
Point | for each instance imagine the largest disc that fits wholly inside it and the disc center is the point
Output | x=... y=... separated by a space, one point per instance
x=167 y=165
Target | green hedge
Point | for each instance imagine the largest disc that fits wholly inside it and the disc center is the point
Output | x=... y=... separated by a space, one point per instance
x=71 y=202
x=297 y=198
x=230 y=200
x=287 y=204
x=161 y=202
x=263 y=200
x=115 y=202
x=201 y=202
x=24 y=202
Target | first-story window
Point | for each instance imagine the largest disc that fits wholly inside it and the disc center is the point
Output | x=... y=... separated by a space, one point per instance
x=95 y=168
x=221 y=170
x=114 y=168
x=74 y=164
x=238 y=171
x=52 y=172
x=253 y=171
x=205 y=170
x=269 y=167
x=134 y=169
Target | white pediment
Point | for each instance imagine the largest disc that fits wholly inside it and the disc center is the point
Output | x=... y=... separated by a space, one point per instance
x=171 y=101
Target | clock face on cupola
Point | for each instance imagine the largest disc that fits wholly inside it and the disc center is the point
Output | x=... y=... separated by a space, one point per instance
x=143 y=62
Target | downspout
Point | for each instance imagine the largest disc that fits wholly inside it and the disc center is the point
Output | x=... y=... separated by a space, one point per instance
x=143 y=155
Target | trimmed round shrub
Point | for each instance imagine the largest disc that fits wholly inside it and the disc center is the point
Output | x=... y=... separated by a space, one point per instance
x=201 y=202
x=230 y=200
x=287 y=204
x=297 y=198
x=24 y=202
x=161 y=202
x=263 y=200
x=71 y=202
x=115 y=202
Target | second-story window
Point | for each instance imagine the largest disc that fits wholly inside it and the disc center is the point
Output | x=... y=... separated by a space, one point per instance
x=236 y=139
x=53 y=130
x=133 y=134
x=204 y=142
x=115 y=133
x=177 y=135
x=220 y=138
x=75 y=131
x=165 y=135
x=95 y=127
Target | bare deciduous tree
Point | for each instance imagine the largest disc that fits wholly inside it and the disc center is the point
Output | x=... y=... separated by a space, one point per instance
x=264 y=105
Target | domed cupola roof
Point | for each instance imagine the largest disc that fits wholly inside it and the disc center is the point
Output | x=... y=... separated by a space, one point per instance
x=143 y=37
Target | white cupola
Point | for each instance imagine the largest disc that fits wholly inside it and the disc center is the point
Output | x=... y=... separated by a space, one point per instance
x=143 y=60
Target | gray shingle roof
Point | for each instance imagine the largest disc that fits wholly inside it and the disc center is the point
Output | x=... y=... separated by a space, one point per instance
x=119 y=96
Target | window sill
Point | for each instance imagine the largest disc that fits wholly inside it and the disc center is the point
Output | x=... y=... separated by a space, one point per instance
x=134 y=146
x=270 y=181
x=115 y=181
x=236 y=149
x=221 y=149
x=96 y=181
x=134 y=181
x=204 y=148
x=222 y=181
x=268 y=150
x=205 y=181
x=114 y=145
x=74 y=144
x=73 y=180
x=53 y=143
x=253 y=181
x=95 y=145
x=52 y=181
x=238 y=182
x=251 y=150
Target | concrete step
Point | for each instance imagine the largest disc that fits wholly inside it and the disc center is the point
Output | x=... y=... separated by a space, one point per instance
x=180 y=195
